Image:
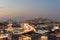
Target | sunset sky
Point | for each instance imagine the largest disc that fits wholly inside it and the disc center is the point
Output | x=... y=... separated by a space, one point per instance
x=30 y=8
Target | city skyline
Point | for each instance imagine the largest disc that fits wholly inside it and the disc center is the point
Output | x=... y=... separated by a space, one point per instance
x=30 y=8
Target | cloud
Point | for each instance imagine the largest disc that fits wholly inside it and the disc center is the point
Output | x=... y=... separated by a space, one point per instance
x=2 y=7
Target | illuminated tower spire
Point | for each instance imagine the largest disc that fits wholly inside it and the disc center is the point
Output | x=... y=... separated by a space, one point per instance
x=10 y=23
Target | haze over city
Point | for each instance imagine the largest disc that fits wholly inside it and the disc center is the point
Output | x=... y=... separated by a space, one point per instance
x=30 y=8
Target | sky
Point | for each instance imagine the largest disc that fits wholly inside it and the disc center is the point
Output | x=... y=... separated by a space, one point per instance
x=30 y=8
